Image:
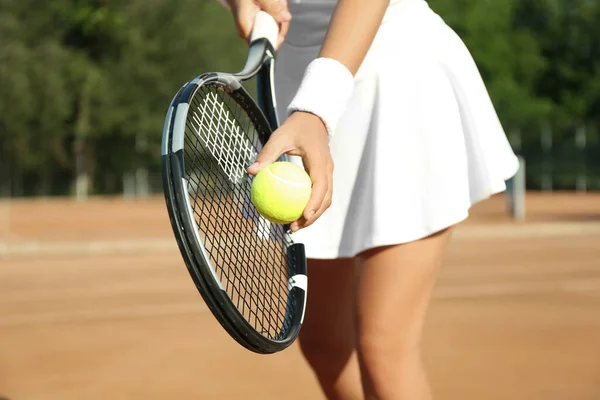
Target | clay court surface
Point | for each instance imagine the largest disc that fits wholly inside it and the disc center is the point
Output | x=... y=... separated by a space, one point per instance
x=95 y=303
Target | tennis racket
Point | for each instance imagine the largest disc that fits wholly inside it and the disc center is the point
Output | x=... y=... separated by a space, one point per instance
x=250 y=273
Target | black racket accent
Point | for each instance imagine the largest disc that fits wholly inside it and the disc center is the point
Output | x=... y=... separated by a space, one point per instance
x=248 y=271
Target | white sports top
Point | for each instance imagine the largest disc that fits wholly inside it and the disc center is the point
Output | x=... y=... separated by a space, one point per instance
x=311 y=20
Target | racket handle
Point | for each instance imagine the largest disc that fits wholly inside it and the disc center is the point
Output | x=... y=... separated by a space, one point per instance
x=265 y=27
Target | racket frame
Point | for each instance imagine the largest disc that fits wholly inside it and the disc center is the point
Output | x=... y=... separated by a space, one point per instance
x=260 y=64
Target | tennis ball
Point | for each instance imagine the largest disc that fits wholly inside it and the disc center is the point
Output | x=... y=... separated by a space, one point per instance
x=280 y=192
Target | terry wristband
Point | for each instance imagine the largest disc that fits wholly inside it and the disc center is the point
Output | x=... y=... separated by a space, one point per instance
x=324 y=91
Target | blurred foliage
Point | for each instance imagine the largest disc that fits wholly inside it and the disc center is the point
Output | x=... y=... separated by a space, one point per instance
x=91 y=79
x=540 y=60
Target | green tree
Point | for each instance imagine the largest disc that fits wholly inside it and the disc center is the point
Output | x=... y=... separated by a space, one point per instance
x=509 y=57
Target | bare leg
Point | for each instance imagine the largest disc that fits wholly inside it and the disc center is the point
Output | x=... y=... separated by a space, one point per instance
x=327 y=337
x=393 y=293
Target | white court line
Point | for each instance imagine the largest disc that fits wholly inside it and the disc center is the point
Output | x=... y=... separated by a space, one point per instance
x=533 y=230
x=103 y=314
x=587 y=287
x=569 y=286
x=98 y=247
x=95 y=247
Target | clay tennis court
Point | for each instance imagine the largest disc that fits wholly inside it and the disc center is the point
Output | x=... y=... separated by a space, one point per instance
x=95 y=303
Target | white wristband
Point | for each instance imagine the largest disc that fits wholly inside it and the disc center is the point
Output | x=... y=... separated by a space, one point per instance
x=324 y=91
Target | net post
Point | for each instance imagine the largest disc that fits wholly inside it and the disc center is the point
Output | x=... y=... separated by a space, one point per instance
x=141 y=183
x=580 y=143
x=515 y=193
x=547 y=169
x=128 y=185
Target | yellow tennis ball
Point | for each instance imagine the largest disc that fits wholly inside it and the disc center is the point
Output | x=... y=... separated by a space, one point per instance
x=280 y=192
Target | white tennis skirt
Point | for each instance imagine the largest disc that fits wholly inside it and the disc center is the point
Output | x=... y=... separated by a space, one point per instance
x=420 y=141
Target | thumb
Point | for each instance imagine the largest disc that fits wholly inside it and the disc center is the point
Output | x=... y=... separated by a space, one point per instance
x=272 y=150
x=278 y=10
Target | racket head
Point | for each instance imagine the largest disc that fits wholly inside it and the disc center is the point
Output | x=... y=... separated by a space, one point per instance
x=248 y=270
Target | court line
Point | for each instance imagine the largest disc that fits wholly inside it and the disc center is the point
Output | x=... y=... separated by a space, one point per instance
x=103 y=314
x=468 y=232
x=585 y=287
x=93 y=247
x=528 y=230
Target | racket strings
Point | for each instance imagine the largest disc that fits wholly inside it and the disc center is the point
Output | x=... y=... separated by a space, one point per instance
x=222 y=136
x=248 y=253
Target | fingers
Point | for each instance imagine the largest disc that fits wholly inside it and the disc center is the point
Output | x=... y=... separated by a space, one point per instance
x=321 y=196
x=277 y=145
x=304 y=135
x=277 y=8
x=245 y=12
x=283 y=30
x=310 y=217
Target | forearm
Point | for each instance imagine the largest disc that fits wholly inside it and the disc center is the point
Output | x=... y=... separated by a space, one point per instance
x=352 y=30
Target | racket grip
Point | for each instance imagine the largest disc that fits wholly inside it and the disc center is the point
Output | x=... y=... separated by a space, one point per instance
x=265 y=27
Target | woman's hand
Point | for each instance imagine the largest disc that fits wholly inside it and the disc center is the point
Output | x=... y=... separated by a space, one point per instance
x=244 y=12
x=304 y=135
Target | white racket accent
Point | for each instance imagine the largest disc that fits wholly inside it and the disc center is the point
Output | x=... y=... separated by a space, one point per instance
x=299 y=281
x=266 y=27
x=164 y=147
x=222 y=136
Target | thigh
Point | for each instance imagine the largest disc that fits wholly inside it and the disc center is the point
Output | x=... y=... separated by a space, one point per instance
x=393 y=292
x=329 y=317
